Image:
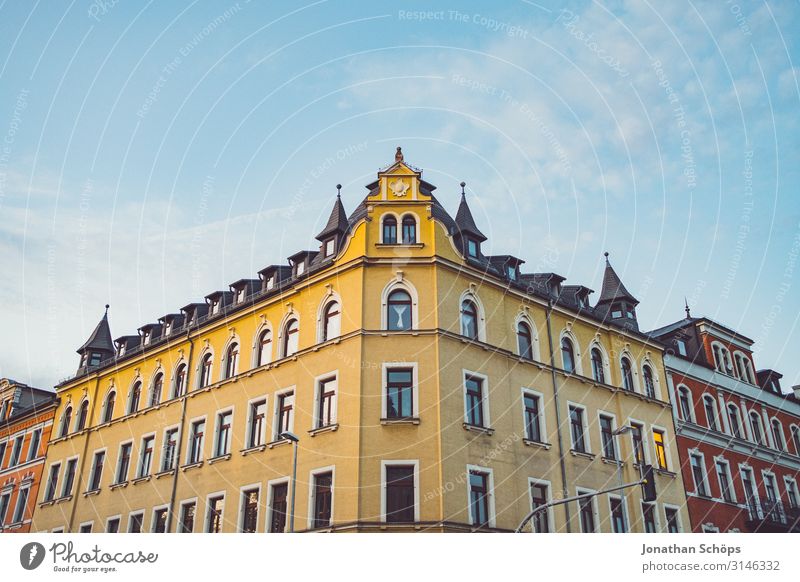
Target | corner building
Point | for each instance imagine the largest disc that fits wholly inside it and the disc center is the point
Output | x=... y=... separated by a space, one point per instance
x=432 y=388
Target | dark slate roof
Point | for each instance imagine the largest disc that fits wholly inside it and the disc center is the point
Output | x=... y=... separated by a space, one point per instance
x=613 y=288
x=101 y=337
x=464 y=221
x=337 y=221
x=671 y=327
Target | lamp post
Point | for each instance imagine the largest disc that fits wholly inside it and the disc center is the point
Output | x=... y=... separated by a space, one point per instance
x=289 y=436
x=621 y=430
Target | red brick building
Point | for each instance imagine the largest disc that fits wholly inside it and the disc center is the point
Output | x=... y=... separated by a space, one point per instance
x=738 y=433
x=26 y=419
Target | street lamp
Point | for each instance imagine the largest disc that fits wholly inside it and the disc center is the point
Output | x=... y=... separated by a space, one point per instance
x=621 y=430
x=290 y=436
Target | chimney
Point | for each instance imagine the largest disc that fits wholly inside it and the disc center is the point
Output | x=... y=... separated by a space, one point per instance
x=796 y=390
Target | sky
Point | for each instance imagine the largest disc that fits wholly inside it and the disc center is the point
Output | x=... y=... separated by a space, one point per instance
x=151 y=153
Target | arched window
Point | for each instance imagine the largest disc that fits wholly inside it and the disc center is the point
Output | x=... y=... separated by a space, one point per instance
x=524 y=341
x=567 y=355
x=135 y=397
x=156 y=389
x=179 y=386
x=685 y=403
x=755 y=425
x=83 y=415
x=264 y=348
x=290 y=337
x=627 y=374
x=232 y=360
x=398 y=311
x=66 y=420
x=206 y=364
x=743 y=366
x=409 y=230
x=711 y=412
x=469 y=319
x=735 y=421
x=777 y=435
x=108 y=406
x=649 y=381
x=722 y=359
x=598 y=372
x=331 y=321
x=389 y=230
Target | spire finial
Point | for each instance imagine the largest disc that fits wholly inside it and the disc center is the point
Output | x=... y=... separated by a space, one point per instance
x=398 y=157
x=605 y=254
x=107 y=306
x=686 y=307
x=338 y=190
x=463 y=184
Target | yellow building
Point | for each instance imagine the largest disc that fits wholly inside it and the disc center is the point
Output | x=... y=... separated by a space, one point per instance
x=431 y=388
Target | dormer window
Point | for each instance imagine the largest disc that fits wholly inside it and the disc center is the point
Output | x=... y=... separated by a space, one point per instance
x=146 y=336
x=472 y=248
x=681 y=345
x=121 y=350
x=240 y=295
x=214 y=307
x=301 y=268
x=583 y=301
x=330 y=247
x=511 y=271
x=167 y=328
x=271 y=283
x=95 y=359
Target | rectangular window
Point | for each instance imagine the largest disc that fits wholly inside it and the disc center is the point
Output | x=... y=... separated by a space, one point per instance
x=533 y=430
x=285 y=414
x=399 y=393
x=112 y=525
x=637 y=440
x=672 y=519
x=326 y=402
x=724 y=477
x=22 y=504
x=699 y=475
x=146 y=456
x=4 y=501
x=214 y=517
x=2 y=451
x=586 y=514
x=85 y=528
x=258 y=411
x=791 y=492
x=607 y=437
x=472 y=248
x=223 y=446
x=681 y=347
x=278 y=508
x=649 y=517
x=16 y=451
x=97 y=470
x=577 y=429
x=617 y=515
x=33 y=449
x=160 y=520
x=249 y=510
x=661 y=453
x=474 y=393
x=69 y=477
x=170 y=449
x=52 y=482
x=400 y=494
x=135 y=522
x=323 y=499
x=479 y=498
x=196 y=441
x=540 y=497
x=186 y=524
x=124 y=462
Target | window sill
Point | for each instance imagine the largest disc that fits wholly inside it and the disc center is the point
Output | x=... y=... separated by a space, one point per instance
x=406 y=420
x=278 y=443
x=255 y=449
x=664 y=472
x=165 y=473
x=400 y=245
x=90 y=493
x=479 y=429
x=141 y=479
x=118 y=485
x=583 y=454
x=47 y=503
x=219 y=458
x=188 y=466
x=614 y=462
x=321 y=429
x=63 y=499
x=541 y=445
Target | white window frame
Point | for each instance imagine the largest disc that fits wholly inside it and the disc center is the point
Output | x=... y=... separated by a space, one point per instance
x=49 y=474
x=400 y=463
x=276 y=411
x=103 y=450
x=199 y=369
x=112 y=517
x=190 y=436
x=176 y=461
x=692 y=415
x=312 y=486
x=626 y=522
x=240 y=518
x=24 y=506
x=83 y=524
x=331 y=297
x=318 y=380
x=782 y=448
x=385 y=367
x=130 y=520
x=31 y=451
x=480 y=315
x=746 y=468
x=667 y=446
x=595 y=343
x=576 y=353
x=542 y=416
x=595 y=512
x=264 y=327
x=181 y=506
x=404 y=285
x=490 y=493
x=76 y=481
x=153 y=518
x=729 y=475
x=207 y=512
x=719 y=421
x=704 y=467
x=614 y=437
x=656 y=516
x=140 y=457
x=119 y=460
x=265 y=428
x=678 y=518
x=549 y=496
x=791 y=483
x=524 y=317
x=270 y=484
x=637 y=389
x=585 y=421
x=217 y=429
x=485 y=408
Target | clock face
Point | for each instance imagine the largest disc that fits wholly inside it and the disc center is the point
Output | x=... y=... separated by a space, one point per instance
x=398 y=187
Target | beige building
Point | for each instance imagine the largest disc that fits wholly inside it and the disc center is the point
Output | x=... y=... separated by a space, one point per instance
x=431 y=388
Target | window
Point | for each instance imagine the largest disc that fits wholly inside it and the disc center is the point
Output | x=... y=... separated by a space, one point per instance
x=186 y=524
x=326 y=402
x=97 y=471
x=524 y=341
x=661 y=453
x=264 y=348
x=791 y=492
x=136 y=522
x=533 y=429
x=649 y=517
x=724 y=478
x=637 y=440
x=755 y=425
x=146 y=456
x=66 y=419
x=330 y=246
x=206 y=363
x=744 y=368
x=301 y=268
x=2 y=452
x=539 y=497
x=796 y=439
x=577 y=429
x=722 y=359
x=685 y=403
x=479 y=498
x=598 y=371
x=474 y=401
x=232 y=360
x=398 y=311
x=627 y=374
x=777 y=435
x=409 y=230
x=196 y=441
x=649 y=381
x=698 y=474
x=124 y=462
x=469 y=319
x=69 y=477
x=169 y=457
x=249 y=510
x=108 y=407
x=112 y=525
x=711 y=412
x=52 y=482
x=83 y=416
x=472 y=248
x=331 y=321
x=751 y=498
x=85 y=527
x=399 y=393
x=278 y=508
x=156 y=389
x=284 y=415
x=214 y=517
x=681 y=345
x=290 y=337
x=671 y=514
x=607 y=437
x=135 y=397
x=389 y=230
x=223 y=444
x=323 y=499
x=16 y=452
x=257 y=424
x=567 y=355
x=617 y=515
x=400 y=494
x=33 y=446
x=586 y=513
x=735 y=422
x=4 y=501
x=160 y=520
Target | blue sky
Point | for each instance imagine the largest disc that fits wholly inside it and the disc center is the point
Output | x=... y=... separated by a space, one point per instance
x=152 y=153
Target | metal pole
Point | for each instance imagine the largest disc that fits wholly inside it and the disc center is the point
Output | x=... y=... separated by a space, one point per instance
x=294 y=485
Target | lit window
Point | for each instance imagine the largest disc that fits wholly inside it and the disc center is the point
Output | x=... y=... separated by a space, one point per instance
x=661 y=452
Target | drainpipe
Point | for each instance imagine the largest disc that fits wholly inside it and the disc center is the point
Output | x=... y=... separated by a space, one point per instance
x=171 y=510
x=77 y=486
x=553 y=377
